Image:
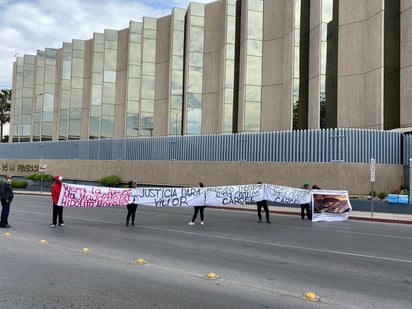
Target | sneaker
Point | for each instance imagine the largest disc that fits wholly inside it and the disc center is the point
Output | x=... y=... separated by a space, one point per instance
x=61 y=224
x=202 y=223
x=268 y=222
x=132 y=223
x=191 y=223
x=52 y=225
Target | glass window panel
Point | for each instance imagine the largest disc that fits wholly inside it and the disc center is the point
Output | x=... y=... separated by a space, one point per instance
x=110 y=59
x=78 y=45
x=65 y=85
x=66 y=69
x=147 y=105
x=74 y=128
x=108 y=109
x=148 y=68
x=65 y=100
x=134 y=71
x=77 y=83
x=76 y=98
x=149 y=50
x=97 y=78
x=195 y=79
x=133 y=90
x=229 y=79
x=253 y=93
x=254 y=70
x=194 y=121
x=135 y=37
x=77 y=68
x=135 y=52
x=323 y=53
x=256 y=5
x=47 y=116
x=47 y=130
x=149 y=34
x=297 y=13
x=252 y=117
x=178 y=25
x=178 y=43
x=48 y=102
x=231 y=10
x=296 y=61
x=49 y=74
x=109 y=76
x=196 y=59
x=177 y=63
x=37 y=117
x=177 y=82
x=327 y=10
x=98 y=38
x=254 y=48
x=110 y=45
x=255 y=25
x=146 y=124
x=197 y=9
x=231 y=30
x=149 y=23
x=26 y=109
x=109 y=93
x=228 y=118
x=179 y=13
x=79 y=54
x=75 y=113
x=176 y=102
x=96 y=94
x=63 y=129
x=95 y=126
x=133 y=107
x=229 y=96
x=148 y=84
x=194 y=100
x=95 y=111
x=197 y=21
x=98 y=48
x=110 y=35
x=132 y=125
x=107 y=127
x=196 y=39
x=64 y=114
x=98 y=59
x=135 y=27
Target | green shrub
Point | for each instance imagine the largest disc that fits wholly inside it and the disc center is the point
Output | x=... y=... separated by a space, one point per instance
x=40 y=176
x=373 y=194
x=382 y=195
x=110 y=181
x=19 y=184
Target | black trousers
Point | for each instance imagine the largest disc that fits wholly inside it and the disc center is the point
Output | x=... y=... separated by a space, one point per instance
x=131 y=212
x=57 y=212
x=264 y=205
x=5 y=210
x=305 y=208
x=197 y=209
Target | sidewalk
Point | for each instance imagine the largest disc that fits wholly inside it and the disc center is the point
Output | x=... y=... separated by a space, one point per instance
x=377 y=216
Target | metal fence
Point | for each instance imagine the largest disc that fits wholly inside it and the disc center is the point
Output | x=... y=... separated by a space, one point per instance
x=330 y=145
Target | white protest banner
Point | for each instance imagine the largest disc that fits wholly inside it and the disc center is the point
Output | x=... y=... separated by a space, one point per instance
x=234 y=195
x=91 y=196
x=328 y=205
x=286 y=195
x=171 y=197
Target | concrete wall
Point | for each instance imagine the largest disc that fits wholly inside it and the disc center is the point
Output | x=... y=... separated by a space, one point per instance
x=277 y=71
x=406 y=64
x=360 y=64
x=335 y=176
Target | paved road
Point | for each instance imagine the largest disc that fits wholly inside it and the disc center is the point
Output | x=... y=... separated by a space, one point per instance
x=350 y=264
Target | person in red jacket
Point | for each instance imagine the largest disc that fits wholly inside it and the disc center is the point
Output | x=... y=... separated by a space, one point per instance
x=57 y=210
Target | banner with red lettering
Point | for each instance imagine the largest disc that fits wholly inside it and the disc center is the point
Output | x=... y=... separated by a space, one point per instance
x=287 y=195
x=91 y=196
x=234 y=195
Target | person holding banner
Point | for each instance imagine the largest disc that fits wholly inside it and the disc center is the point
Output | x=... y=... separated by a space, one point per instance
x=305 y=207
x=57 y=210
x=131 y=208
x=6 y=196
x=262 y=204
x=198 y=209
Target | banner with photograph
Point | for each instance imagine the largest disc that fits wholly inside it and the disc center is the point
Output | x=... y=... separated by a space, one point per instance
x=328 y=205
x=234 y=195
x=286 y=195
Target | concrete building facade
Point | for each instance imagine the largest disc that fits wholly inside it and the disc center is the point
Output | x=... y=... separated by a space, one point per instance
x=224 y=67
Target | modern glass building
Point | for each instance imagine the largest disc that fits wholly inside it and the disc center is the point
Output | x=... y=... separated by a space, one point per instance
x=227 y=66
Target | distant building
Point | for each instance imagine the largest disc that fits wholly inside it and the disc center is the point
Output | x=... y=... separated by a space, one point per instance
x=224 y=67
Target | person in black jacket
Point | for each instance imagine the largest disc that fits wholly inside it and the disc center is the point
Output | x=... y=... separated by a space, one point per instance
x=262 y=204
x=131 y=208
x=6 y=196
x=306 y=207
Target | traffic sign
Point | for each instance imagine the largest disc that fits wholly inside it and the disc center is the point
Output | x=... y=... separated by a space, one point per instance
x=373 y=165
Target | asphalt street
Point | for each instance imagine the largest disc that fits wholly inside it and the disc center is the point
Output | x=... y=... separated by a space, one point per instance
x=351 y=264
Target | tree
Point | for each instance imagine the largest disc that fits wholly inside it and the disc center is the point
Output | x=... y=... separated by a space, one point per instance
x=5 y=97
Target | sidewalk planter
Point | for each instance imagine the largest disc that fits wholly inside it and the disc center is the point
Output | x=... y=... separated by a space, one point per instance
x=398 y=199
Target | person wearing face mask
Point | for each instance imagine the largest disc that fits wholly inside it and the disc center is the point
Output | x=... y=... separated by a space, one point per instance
x=6 y=196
